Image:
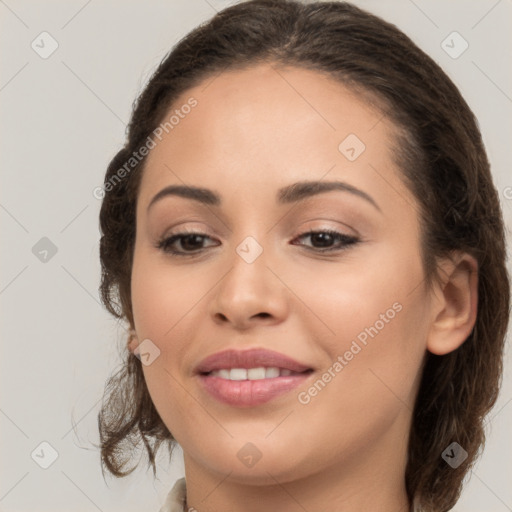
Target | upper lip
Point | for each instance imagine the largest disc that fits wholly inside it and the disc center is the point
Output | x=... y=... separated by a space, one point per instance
x=252 y=358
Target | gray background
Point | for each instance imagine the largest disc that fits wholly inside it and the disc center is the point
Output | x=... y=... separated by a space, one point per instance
x=62 y=119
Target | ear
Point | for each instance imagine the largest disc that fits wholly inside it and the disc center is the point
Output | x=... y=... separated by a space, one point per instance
x=454 y=305
x=133 y=342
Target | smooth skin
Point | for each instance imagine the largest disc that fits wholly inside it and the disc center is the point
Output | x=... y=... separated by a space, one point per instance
x=252 y=132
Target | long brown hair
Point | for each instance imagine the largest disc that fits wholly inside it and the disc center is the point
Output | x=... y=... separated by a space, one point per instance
x=442 y=160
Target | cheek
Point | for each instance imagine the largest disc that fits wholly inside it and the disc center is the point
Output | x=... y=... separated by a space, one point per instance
x=347 y=296
x=372 y=314
x=163 y=299
x=370 y=381
x=162 y=294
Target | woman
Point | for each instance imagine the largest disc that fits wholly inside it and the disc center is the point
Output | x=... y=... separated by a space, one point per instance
x=303 y=236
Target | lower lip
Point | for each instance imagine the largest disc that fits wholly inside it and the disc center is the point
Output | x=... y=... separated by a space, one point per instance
x=248 y=393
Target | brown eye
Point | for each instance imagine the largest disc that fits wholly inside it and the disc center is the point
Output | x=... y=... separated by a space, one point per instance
x=183 y=244
x=323 y=240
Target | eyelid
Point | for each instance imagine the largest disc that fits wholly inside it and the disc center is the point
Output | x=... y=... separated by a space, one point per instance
x=328 y=224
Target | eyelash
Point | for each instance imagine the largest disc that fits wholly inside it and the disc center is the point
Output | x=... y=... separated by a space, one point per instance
x=165 y=244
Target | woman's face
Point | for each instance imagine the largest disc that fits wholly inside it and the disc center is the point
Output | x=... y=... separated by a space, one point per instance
x=357 y=316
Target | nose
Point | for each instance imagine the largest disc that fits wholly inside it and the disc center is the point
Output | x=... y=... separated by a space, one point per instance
x=250 y=294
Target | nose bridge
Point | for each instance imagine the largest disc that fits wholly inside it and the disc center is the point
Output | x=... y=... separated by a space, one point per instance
x=248 y=279
x=249 y=290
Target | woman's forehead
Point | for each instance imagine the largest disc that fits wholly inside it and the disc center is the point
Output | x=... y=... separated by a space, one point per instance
x=276 y=125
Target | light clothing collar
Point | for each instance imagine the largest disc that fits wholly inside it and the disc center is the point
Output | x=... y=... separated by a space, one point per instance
x=176 y=500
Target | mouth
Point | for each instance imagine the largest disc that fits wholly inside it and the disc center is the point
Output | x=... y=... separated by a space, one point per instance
x=239 y=387
x=253 y=359
x=259 y=373
x=250 y=378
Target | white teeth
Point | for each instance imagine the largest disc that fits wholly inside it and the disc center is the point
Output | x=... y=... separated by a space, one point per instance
x=271 y=372
x=237 y=374
x=251 y=373
x=256 y=373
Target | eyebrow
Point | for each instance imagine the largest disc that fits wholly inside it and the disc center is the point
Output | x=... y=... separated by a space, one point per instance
x=286 y=195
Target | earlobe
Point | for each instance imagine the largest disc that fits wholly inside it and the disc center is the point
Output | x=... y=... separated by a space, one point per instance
x=133 y=342
x=455 y=304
